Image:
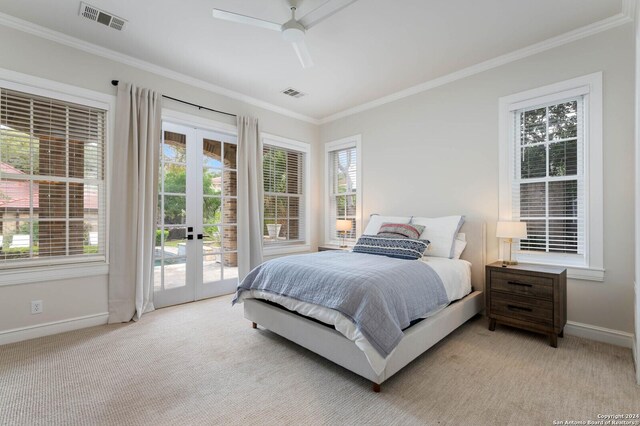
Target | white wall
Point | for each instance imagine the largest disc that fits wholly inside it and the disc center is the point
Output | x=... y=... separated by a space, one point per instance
x=42 y=58
x=442 y=148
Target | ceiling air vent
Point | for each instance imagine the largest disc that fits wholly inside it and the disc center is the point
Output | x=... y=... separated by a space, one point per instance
x=98 y=15
x=293 y=93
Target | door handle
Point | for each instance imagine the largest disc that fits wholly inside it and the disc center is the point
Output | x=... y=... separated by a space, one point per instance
x=189 y=237
x=200 y=236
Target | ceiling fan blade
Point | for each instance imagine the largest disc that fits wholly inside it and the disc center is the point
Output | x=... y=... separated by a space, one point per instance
x=323 y=12
x=236 y=17
x=303 y=54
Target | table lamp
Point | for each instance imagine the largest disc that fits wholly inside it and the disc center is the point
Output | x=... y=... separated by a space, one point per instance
x=509 y=231
x=343 y=226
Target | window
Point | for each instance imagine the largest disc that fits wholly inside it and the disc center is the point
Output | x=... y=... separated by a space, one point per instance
x=285 y=163
x=343 y=182
x=52 y=185
x=551 y=175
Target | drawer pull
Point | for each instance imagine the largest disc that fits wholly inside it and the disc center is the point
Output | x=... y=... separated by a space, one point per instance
x=519 y=308
x=520 y=284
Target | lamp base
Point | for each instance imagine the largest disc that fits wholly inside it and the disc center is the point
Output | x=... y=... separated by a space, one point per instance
x=506 y=263
x=343 y=246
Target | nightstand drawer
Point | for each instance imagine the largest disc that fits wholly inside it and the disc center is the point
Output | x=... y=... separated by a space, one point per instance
x=522 y=284
x=524 y=308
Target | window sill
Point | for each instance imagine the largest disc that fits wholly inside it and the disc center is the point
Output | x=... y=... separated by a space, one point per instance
x=51 y=273
x=582 y=273
x=585 y=274
x=285 y=249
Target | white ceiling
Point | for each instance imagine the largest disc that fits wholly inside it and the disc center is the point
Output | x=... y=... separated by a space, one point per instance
x=368 y=50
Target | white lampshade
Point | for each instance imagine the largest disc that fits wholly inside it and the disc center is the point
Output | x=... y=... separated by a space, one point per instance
x=343 y=225
x=511 y=230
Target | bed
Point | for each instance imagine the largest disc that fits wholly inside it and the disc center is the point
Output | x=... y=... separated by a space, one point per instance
x=324 y=339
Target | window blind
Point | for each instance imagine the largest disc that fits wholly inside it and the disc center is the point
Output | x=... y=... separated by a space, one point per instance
x=342 y=191
x=52 y=188
x=284 y=197
x=548 y=190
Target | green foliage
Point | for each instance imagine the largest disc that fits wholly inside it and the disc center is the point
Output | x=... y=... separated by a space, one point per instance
x=90 y=249
x=175 y=181
x=25 y=229
x=274 y=170
x=16 y=149
x=159 y=236
x=561 y=122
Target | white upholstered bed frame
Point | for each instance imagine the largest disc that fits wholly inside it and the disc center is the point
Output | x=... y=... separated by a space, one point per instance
x=332 y=345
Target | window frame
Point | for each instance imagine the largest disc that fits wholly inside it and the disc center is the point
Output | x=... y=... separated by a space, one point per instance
x=31 y=271
x=590 y=87
x=354 y=141
x=305 y=148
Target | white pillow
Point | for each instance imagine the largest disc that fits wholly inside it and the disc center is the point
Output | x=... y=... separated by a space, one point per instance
x=376 y=221
x=441 y=232
x=458 y=248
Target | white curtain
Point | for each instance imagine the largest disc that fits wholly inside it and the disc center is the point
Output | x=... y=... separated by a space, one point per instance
x=250 y=195
x=133 y=201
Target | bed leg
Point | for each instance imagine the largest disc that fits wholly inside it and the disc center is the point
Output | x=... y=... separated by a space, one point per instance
x=376 y=387
x=254 y=325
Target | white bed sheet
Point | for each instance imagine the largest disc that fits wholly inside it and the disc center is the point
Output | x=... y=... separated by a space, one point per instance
x=454 y=273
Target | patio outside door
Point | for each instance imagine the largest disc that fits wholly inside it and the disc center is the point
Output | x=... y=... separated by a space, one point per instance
x=196 y=246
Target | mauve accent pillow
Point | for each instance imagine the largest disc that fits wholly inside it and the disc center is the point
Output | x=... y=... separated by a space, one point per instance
x=400 y=230
x=375 y=221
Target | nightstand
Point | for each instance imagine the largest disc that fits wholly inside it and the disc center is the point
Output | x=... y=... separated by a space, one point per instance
x=328 y=247
x=531 y=297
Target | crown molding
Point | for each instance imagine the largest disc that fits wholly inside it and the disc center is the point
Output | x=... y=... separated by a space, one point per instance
x=76 y=43
x=571 y=36
x=626 y=16
x=629 y=8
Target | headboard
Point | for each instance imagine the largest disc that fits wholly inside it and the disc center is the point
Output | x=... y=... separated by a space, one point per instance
x=476 y=250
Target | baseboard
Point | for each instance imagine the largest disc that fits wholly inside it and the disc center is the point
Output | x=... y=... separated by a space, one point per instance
x=600 y=334
x=55 y=327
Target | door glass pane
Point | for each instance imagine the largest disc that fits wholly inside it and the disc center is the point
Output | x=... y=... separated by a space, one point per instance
x=170 y=253
x=212 y=240
x=229 y=183
x=230 y=211
x=212 y=151
x=211 y=268
x=175 y=209
x=170 y=258
x=175 y=178
x=230 y=263
x=211 y=210
x=230 y=156
x=174 y=147
x=175 y=272
x=211 y=181
x=219 y=207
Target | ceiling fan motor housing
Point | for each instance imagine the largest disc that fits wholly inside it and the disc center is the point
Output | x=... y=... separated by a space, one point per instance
x=293 y=31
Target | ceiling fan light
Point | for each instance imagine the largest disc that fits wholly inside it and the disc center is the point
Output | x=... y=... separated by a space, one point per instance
x=292 y=31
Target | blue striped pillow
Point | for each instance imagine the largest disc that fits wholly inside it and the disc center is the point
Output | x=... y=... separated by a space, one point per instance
x=400 y=248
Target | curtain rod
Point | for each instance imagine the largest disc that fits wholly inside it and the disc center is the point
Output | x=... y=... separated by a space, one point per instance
x=115 y=83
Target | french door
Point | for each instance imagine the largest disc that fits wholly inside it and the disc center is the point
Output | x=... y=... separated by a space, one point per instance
x=196 y=246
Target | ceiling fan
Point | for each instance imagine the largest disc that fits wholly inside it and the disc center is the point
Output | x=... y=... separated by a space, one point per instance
x=294 y=29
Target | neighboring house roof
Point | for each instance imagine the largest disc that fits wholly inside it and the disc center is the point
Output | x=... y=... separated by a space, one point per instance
x=14 y=194
x=216 y=183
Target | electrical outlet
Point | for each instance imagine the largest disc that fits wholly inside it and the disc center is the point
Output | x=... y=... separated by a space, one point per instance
x=36 y=307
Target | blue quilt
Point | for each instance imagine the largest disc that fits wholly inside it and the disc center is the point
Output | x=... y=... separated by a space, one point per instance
x=381 y=295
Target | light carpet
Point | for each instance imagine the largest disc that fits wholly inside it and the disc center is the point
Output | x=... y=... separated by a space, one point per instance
x=202 y=363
